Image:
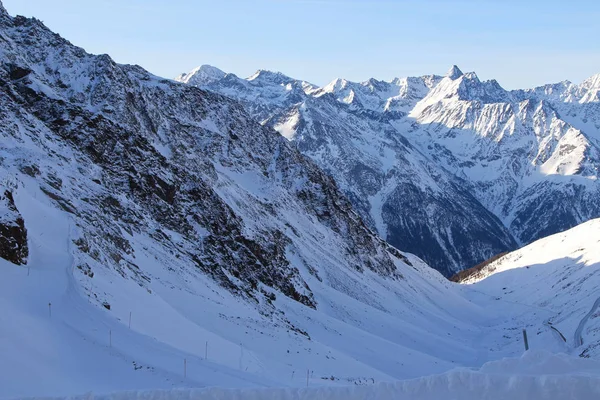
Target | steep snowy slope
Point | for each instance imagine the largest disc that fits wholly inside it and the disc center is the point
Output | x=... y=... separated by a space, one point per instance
x=534 y=170
x=165 y=226
x=558 y=277
x=345 y=127
x=469 y=153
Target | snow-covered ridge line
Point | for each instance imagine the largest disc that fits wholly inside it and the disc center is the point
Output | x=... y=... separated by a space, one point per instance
x=451 y=168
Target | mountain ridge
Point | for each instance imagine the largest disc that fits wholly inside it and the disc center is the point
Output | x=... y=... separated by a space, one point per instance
x=465 y=129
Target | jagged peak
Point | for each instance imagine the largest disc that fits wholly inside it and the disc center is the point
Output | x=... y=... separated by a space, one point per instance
x=593 y=82
x=375 y=85
x=565 y=83
x=270 y=76
x=202 y=74
x=335 y=85
x=3 y=13
x=209 y=69
x=471 y=76
x=398 y=81
x=372 y=82
x=454 y=72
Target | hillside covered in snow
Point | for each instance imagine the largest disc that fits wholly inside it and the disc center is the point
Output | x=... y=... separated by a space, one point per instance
x=449 y=167
x=558 y=274
x=150 y=201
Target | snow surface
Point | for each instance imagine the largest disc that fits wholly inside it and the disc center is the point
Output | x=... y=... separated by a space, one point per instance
x=557 y=276
x=541 y=375
x=379 y=332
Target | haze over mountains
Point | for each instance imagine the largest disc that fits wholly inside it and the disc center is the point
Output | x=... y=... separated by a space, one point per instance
x=450 y=168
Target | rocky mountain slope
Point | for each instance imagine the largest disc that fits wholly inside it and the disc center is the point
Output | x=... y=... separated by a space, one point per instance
x=171 y=162
x=146 y=199
x=450 y=168
x=13 y=235
x=346 y=128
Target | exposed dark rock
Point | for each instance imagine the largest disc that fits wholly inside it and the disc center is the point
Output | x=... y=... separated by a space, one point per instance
x=13 y=235
x=128 y=154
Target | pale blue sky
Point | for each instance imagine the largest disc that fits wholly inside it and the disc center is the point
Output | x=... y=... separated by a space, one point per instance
x=519 y=43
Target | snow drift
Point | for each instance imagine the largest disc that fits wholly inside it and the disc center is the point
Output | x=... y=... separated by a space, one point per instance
x=536 y=375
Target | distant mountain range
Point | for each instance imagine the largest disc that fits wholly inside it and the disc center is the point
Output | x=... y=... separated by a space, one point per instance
x=448 y=167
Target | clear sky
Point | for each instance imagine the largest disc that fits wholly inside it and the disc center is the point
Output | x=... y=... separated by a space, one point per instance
x=520 y=43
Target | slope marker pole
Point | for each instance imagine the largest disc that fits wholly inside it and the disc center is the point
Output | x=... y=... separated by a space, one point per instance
x=525 y=339
x=307 y=375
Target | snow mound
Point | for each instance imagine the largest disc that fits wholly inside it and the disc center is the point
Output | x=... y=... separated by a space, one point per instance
x=536 y=375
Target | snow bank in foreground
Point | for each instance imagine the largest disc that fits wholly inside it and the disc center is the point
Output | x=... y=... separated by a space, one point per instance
x=536 y=375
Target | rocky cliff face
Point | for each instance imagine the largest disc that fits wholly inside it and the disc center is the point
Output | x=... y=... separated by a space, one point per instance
x=347 y=128
x=13 y=235
x=131 y=155
x=451 y=168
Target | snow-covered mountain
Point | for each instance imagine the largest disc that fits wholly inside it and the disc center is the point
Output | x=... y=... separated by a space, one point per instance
x=533 y=169
x=402 y=194
x=154 y=235
x=451 y=168
x=158 y=224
